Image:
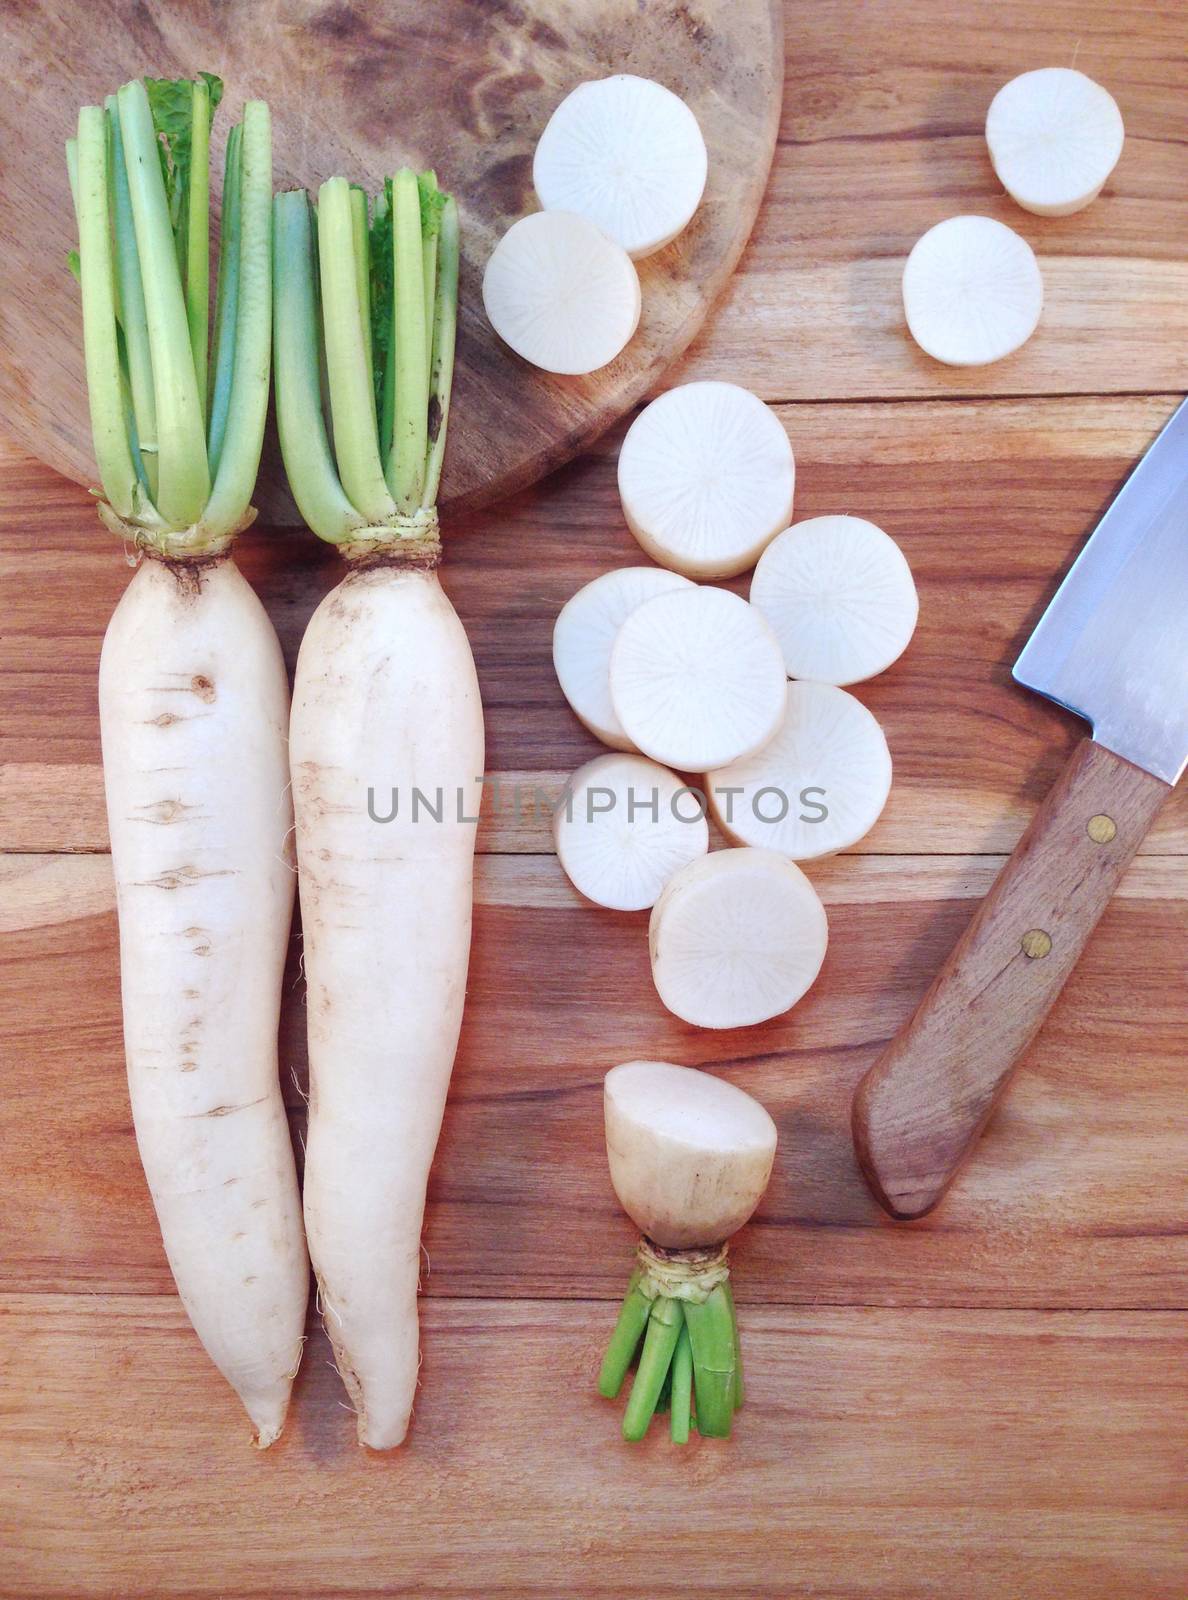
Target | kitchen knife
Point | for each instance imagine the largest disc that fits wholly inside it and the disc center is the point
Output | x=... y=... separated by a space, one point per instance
x=1113 y=647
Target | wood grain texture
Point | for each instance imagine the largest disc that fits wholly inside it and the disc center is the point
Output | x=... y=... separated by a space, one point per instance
x=883 y=135
x=987 y=1403
x=360 y=88
x=919 y=1110
x=1077 y=1197
x=1015 y=1486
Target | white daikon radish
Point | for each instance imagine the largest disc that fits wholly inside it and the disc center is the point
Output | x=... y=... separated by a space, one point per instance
x=584 y=634
x=736 y=937
x=193 y=710
x=972 y=291
x=385 y=693
x=627 y=825
x=626 y=153
x=697 y=679
x=706 y=477
x=839 y=597
x=820 y=784
x=690 y=1156
x=1054 y=136
x=560 y=293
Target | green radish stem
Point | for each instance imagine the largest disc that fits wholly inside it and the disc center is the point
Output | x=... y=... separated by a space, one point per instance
x=660 y=1341
x=386 y=320
x=113 y=454
x=184 y=476
x=226 y=296
x=305 y=446
x=410 y=419
x=711 y=1334
x=140 y=176
x=682 y=1387
x=633 y=1319
x=739 y=1393
x=247 y=407
x=690 y=1346
x=197 y=234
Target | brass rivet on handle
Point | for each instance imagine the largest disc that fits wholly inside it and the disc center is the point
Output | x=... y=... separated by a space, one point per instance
x=1036 y=944
x=1101 y=829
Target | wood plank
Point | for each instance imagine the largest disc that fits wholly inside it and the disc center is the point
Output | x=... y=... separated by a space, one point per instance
x=1077 y=1196
x=883 y=135
x=880 y=1454
x=989 y=499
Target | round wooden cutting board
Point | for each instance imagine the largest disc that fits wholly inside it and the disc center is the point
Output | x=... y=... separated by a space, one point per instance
x=464 y=86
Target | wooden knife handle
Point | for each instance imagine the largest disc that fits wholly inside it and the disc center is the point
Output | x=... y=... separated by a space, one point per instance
x=924 y=1102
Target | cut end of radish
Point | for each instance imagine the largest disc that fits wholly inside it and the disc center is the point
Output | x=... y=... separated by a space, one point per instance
x=689 y=1154
x=584 y=634
x=706 y=477
x=819 y=786
x=697 y=679
x=628 y=154
x=972 y=291
x=560 y=293
x=840 y=598
x=626 y=827
x=1054 y=137
x=736 y=938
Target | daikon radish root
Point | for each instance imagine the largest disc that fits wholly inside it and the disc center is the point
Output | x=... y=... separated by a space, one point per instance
x=972 y=291
x=628 y=154
x=697 y=679
x=736 y=937
x=626 y=826
x=584 y=635
x=560 y=293
x=1054 y=137
x=706 y=478
x=839 y=597
x=385 y=692
x=690 y=1156
x=819 y=786
x=193 y=707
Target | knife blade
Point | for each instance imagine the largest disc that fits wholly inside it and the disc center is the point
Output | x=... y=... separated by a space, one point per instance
x=1112 y=646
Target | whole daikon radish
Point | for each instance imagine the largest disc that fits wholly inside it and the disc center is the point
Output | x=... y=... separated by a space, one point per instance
x=386 y=749
x=193 y=704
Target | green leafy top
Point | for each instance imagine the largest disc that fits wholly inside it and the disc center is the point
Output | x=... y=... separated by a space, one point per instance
x=171 y=101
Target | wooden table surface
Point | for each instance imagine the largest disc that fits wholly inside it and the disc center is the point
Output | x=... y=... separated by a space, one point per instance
x=987 y=1405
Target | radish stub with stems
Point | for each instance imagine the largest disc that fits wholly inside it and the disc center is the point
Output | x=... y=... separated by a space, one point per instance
x=839 y=596
x=972 y=291
x=584 y=634
x=706 y=478
x=560 y=293
x=689 y=1154
x=626 y=826
x=820 y=785
x=736 y=938
x=1054 y=137
x=697 y=679
x=628 y=154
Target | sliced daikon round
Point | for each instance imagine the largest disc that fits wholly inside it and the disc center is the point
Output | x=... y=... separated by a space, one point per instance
x=972 y=291
x=625 y=827
x=1054 y=136
x=697 y=679
x=706 y=477
x=628 y=154
x=560 y=293
x=819 y=786
x=736 y=937
x=584 y=633
x=839 y=596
